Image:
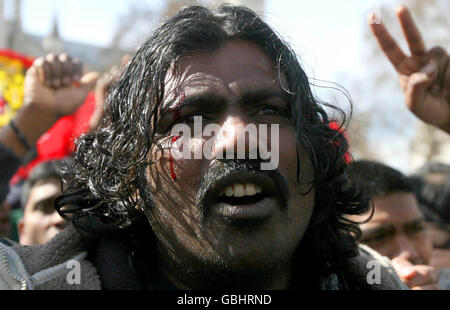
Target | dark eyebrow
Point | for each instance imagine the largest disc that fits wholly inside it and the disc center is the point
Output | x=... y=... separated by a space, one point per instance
x=172 y=111
x=254 y=97
x=212 y=100
x=377 y=230
x=44 y=202
x=209 y=100
x=419 y=220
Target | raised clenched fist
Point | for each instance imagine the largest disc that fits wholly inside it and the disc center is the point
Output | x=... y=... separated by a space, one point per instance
x=55 y=85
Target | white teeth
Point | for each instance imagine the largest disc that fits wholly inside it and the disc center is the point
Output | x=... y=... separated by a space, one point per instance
x=229 y=191
x=239 y=190
x=250 y=189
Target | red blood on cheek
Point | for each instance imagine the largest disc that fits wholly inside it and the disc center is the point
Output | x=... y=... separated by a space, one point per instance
x=176 y=114
x=172 y=170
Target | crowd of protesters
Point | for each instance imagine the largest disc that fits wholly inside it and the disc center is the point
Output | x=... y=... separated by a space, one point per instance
x=410 y=221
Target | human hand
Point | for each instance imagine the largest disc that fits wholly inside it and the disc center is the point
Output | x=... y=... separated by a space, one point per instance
x=55 y=85
x=416 y=277
x=53 y=88
x=424 y=75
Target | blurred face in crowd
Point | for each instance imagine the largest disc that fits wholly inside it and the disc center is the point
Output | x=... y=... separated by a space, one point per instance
x=440 y=235
x=40 y=221
x=248 y=220
x=398 y=228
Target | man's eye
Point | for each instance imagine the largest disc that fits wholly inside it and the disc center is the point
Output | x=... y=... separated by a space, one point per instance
x=191 y=118
x=375 y=239
x=379 y=237
x=46 y=207
x=268 y=112
x=414 y=228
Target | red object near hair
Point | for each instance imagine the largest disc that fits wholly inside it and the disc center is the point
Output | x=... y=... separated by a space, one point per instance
x=335 y=126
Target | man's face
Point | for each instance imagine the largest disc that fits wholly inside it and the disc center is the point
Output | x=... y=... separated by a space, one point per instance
x=398 y=228
x=40 y=221
x=440 y=236
x=228 y=214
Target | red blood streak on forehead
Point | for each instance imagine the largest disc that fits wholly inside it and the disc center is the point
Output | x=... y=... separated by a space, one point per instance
x=175 y=107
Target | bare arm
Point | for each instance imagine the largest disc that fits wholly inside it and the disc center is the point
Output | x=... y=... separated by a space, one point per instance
x=54 y=87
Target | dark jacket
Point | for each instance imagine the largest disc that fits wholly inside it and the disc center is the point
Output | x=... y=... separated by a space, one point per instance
x=53 y=266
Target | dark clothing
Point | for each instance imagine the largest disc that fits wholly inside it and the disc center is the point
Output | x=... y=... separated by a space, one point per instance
x=109 y=264
x=9 y=163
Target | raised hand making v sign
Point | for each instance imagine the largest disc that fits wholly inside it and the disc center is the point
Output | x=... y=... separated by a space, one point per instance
x=424 y=75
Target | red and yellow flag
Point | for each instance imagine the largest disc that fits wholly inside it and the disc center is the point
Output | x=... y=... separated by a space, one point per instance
x=13 y=67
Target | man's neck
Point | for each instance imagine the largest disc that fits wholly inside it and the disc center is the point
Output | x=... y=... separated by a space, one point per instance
x=186 y=274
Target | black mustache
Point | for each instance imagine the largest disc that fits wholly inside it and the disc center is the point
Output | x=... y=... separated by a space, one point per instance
x=224 y=168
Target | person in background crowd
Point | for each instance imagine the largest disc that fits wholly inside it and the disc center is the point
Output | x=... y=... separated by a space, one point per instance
x=149 y=221
x=424 y=76
x=129 y=201
x=432 y=187
x=34 y=119
x=57 y=142
x=397 y=228
x=5 y=224
x=14 y=211
x=41 y=109
x=40 y=221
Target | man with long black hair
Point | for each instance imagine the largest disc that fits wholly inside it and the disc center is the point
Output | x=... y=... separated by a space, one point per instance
x=143 y=217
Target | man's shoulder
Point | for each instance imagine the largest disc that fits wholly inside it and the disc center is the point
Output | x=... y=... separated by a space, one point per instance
x=372 y=271
x=59 y=264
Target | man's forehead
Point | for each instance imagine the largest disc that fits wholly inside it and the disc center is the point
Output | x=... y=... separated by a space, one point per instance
x=45 y=189
x=396 y=209
x=239 y=52
x=399 y=205
x=233 y=69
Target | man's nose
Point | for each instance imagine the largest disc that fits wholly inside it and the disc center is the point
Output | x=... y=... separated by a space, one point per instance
x=57 y=220
x=237 y=139
x=405 y=248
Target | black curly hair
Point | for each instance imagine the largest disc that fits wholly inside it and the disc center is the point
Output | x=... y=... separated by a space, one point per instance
x=105 y=174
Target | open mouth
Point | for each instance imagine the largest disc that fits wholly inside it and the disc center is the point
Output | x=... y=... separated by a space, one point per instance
x=243 y=196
